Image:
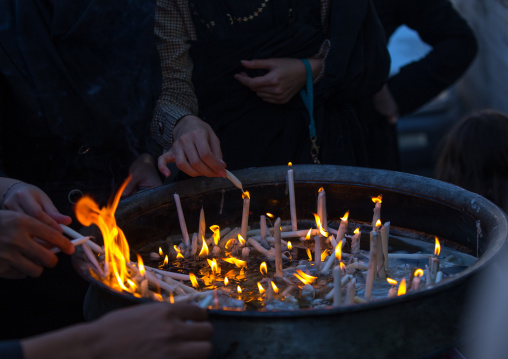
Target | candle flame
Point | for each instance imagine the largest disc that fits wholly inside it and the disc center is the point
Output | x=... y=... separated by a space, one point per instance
x=204 y=250
x=262 y=268
x=437 y=248
x=342 y=266
x=166 y=260
x=402 y=287
x=304 y=277
x=226 y=281
x=171 y=298
x=246 y=195
x=338 y=251
x=260 y=287
x=318 y=224
x=269 y=215
x=241 y=240
x=275 y=289
x=324 y=254
x=213 y=265
x=239 y=289
x=290 y=164
x=178 y=252
x=378 y=199
x=378 y=223
x=141 y=266
x=309 y=254
x=193 y=280
x=418 y=272
x=116 y=248
x=290 y=246
x=356 y=231
x=346 y=216
x=321 y=189
x=160 y=251
x=216 y=234
x=237 y=262
x=230 y=243
x=308 y=234
x=391 y=281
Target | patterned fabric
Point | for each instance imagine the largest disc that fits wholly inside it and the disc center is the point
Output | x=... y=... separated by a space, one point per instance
x=174 y=30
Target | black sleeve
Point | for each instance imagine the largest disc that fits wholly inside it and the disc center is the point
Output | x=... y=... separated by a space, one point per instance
x=11 y=349
x=3 y=96
x=453 y=49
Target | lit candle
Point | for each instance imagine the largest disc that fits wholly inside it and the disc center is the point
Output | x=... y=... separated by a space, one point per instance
x=202 y=226
x=377 y=209
x=338 y=254
x=278 y=249
x=385 y=235
x=381 y=273
x=372 y=263
x=393 y=290
x=194 y=244
x=292 y=204
x=350 y=292
x=245 y=214
x=321 y=208
x=342 y=227
x=355 y=242
x=317 y=252
x=434 y=262
x=417 y=279
x=181 y=219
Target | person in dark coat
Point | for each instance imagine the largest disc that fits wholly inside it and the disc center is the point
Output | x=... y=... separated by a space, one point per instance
x=453 y=49
x=78 y=83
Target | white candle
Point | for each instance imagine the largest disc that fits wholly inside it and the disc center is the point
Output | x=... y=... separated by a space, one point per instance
x=433 y=269
x=245 y=252
x=245 y=215
x=234 y=180
x=372 y=264
x=181 y=218
x=416 y=283
x=292 y=203
x=321 y=209
x=75 y=242
x=278 y=249
x=385 y=235
x=330 y=259
x=342 y=227
x=377 y=210
x=350 y=292
x=317 y=252
x=392 y=292
x=337 y=290
x=380 y=262
x=194 y=244
x=73 y=234
x=439 y=277
x=202 y=226
x=355 y=242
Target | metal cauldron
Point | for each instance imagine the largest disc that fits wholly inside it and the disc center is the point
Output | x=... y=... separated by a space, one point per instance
x=415 y=325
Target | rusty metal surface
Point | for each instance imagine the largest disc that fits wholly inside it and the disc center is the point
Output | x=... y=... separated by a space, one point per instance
x=412 y=326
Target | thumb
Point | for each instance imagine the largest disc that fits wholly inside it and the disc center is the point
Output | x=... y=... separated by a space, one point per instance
x=257 y=64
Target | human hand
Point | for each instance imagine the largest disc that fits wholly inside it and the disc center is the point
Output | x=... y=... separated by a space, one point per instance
x=385 y=104
x=285 y=78
x=31 y=200
x=143 y=175
x=24 y=243
x=196 y=150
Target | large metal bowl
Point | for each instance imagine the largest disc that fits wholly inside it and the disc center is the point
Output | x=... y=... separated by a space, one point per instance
x=415 y=325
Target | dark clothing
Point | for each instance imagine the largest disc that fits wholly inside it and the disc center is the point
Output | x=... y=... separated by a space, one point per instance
x=256 y=133
x=11 y=350
x=453 y=49
x=79 y=80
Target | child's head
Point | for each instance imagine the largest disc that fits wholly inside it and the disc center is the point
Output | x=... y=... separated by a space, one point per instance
x=475 y=156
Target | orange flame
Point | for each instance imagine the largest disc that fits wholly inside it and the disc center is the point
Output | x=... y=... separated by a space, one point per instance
x=356 y=231
x=342 y=266
x=321 y=189
x=402 y=287
x=378 y=223
x=309 y=254
x=171 y=298
x=338 y=251
x=239 y=289
x=269 y=215
x=160 y=251
x=204 y=250
x=391 y=281
x=166 y=260
x=324 y=254
x=193 y=280
x=346 y=216
x=418 y=272
x=378 y=199
x=213 y=265
x=437 y=248
x=246 y=195
x=260 y=287
x=290 y=246
x=308 y=234
x=290 y=164
x=230 y=243
x=141 y=266
x=304 y=277
x=216 y=234
x=116 y=248
x=226 y=281
x=318 y=224
x=275 y=289
x=237 y=262
x=262 y=268
x=241 y=240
